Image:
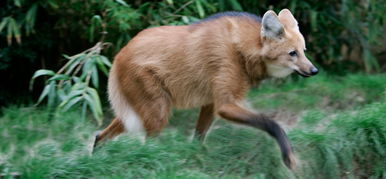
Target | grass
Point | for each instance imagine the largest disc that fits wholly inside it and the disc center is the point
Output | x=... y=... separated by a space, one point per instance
x=338 y=131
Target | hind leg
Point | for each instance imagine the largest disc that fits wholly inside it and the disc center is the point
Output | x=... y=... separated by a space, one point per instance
x=138 y=101
x=149 y=100
x=152 y=118
x=115 y=128
x=146 y=117
x=155 y=114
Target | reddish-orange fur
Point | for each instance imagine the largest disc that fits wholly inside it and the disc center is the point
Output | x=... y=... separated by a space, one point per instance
x=211 y=65
x=115 y=128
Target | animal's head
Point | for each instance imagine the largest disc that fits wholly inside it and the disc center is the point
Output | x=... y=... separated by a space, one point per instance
x=284 y=46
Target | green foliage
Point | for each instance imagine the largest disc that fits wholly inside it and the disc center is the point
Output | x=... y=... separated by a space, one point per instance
x=118 y=16
x=348 y=143
x=12 y=29
x=76 y=82
x=334 y=30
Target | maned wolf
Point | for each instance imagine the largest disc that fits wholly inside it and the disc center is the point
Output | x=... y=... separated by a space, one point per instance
x=209 y=64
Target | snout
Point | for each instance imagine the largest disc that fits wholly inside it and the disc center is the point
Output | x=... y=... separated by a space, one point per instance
x=311 y=72
x=314 y=71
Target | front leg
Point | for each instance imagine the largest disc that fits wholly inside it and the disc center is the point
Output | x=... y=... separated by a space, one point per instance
x=230 y=85
x=204 y=122
x=235 y=113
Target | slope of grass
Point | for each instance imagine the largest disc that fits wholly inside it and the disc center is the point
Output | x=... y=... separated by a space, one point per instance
x=322 y=91
x=344 y=137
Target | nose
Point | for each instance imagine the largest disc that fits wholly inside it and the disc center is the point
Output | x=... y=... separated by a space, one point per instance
x=314 y=71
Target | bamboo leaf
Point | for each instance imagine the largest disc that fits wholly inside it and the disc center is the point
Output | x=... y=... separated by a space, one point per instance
x=30 y=18
x=94 y=77
x=17 y=3
x=43 y=72
x=74 y=62
x=122 y=2
x=53 y=4
x=67 y=57
x=170 y=2
x=94 y=95
x=94 y=108
x=69 y=98
x=3 y=23
x=52 y=94
x=105 y=60
x=44 y=94
x=78 y=82
x=66 y=105
x=88 y=65
x=9 y=31
x=102 y=66
x=200 y=9
x=96 y=20
x=74 y=93
x=40 y=73
x=185 y=19
x=209 y=5
x=236 y=5
x=61 y=94
x=59 y=77
x=16 y=31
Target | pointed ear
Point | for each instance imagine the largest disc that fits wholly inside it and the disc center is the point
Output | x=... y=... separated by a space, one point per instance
x=288 y=20
x=271 y=26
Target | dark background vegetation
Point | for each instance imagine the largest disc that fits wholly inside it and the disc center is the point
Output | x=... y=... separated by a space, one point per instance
x=342 y=36
x=335 y=120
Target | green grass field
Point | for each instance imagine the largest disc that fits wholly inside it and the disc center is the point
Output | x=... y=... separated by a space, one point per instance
x=337 y=126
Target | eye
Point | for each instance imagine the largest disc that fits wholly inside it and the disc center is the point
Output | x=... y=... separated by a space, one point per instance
x=293 y=53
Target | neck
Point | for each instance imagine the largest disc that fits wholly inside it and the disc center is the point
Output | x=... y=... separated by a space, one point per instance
x=248 y=43
x=254 y=68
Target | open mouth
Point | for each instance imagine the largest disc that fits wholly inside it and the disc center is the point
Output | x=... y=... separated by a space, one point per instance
x=302 y=74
